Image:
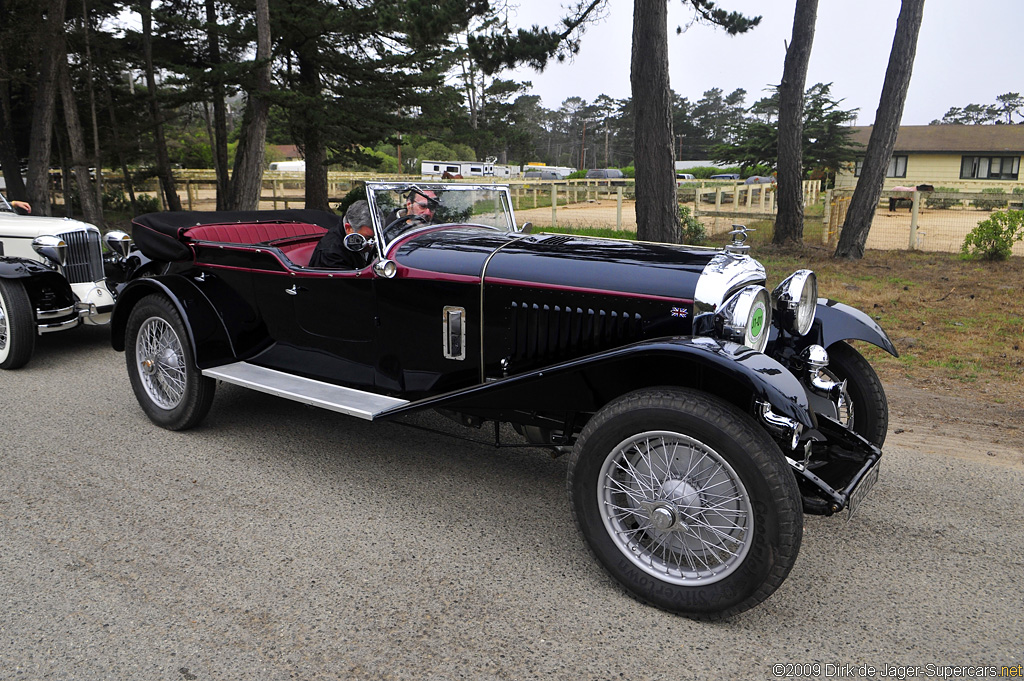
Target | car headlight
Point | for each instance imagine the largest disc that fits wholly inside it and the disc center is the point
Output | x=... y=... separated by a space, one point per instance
x=745 y=317
x=118 y=242
x=795 y=301
x=53 y=248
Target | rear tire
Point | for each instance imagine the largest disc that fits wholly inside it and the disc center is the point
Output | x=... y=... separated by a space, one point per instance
x=17 y=325
x=168 y=385
x=686 y=502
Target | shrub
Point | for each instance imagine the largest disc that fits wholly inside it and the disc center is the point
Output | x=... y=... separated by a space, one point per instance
x=144 y=203
x=577 y=175
x=990 y=204
x=691 y=229
x=932 y=202
x=993 y=239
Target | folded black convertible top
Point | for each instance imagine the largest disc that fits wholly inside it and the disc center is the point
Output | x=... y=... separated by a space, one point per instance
x=158 y=235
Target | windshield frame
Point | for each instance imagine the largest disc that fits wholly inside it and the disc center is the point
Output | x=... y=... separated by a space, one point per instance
x=377 y=211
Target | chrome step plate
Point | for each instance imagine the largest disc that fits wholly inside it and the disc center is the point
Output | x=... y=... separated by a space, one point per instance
x=305 y=390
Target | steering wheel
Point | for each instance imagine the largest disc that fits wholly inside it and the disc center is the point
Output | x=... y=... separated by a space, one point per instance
x=397 y=227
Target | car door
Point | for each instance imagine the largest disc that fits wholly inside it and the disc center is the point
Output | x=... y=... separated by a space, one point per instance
x=322 y=322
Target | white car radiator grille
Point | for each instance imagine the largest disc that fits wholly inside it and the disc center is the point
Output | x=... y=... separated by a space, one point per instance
x=84 y=260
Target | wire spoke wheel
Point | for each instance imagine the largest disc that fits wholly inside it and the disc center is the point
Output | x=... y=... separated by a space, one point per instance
x=159 y=355
x=685 y=501
x=161 y=363
x=675 y=508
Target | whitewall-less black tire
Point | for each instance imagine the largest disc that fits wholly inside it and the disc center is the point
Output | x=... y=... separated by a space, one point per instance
x=169 y=387
x=686 y=502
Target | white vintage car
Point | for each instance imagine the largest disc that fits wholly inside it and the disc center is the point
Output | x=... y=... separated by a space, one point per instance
x=51 y=279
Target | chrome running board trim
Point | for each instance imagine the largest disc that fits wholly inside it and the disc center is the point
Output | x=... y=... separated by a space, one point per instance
x=349 y=401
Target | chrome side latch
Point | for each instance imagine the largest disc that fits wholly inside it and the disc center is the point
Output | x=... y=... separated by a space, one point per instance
x=454 y=324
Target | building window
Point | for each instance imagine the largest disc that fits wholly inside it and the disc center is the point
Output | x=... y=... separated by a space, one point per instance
x=989 y=167
x=897 y=167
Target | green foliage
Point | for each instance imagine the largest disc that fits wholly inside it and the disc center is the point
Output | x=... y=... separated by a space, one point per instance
x=993 y=203
x=435 y=151
x=145 y=203
x=463 y=152
x=933 y=202
x=993 y=239
x=578 y=174
x=691 y=230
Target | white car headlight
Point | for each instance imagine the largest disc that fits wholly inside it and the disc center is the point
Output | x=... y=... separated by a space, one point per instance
x=795 y=301
x=745 y=317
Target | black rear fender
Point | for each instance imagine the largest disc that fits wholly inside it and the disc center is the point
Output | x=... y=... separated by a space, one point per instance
x=733 y=372
x=207 y=332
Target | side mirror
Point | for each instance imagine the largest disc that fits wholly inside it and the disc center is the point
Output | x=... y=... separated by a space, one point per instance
x=356 y=242
x=527 y=228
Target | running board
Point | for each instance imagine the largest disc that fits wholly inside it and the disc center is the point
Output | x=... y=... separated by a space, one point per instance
x=305 y=390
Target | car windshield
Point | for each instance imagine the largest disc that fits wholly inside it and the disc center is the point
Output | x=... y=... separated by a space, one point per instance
x=402 y=207
x=4 y=206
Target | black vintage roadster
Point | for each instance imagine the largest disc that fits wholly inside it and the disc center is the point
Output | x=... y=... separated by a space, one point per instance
x=703 y=413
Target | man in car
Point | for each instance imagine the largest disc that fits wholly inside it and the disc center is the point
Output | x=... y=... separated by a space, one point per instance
x=419 y=203
x=331 y=252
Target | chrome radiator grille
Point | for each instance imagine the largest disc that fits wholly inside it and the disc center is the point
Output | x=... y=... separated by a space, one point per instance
x=84 y=261
x=539 y=330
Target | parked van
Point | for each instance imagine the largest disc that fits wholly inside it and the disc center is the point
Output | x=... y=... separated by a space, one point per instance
x=607 y=174
x=288 y=165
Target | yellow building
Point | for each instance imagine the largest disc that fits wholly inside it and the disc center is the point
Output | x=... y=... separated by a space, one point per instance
x=965 y=157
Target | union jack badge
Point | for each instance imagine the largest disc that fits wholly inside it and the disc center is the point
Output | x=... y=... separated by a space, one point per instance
x=679 y=312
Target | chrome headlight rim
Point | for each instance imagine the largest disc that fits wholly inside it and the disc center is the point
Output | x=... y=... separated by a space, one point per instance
x=795 y=300
x=53 y=248
x=745 y=317
x=118 y=242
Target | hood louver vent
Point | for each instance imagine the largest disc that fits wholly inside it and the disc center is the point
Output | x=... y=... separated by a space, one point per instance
x=552 y=330
x=555 y=240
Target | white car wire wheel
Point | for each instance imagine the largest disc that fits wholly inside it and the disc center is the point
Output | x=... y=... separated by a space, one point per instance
x=17 y=325
x=169 y=387
x=686 y=502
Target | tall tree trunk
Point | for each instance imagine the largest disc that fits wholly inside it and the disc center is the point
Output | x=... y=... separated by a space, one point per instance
x=97 y=159
x=247 y=179
x=163 y=163
x=41 y=135
x=9 y=162
x=79 y=156
x=657 y=215
x=883 y=133
x=789 y=224
x=315 y=152
x=220 y=126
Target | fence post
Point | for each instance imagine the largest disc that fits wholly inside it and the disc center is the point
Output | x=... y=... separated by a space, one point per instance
x=718 y=199
x=554 y=205
x=618 y=208
x=826 y=215
x=736 y=196
x=913 y=219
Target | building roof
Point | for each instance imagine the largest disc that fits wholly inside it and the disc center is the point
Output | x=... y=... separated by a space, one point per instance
x=952 y=138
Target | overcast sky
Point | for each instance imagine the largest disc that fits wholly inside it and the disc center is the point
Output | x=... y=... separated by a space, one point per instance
x=968 y=51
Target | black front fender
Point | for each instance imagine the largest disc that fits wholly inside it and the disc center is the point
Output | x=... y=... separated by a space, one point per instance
x=734 y=372
x=835 y=321
x=37 y=277
x=206 y=330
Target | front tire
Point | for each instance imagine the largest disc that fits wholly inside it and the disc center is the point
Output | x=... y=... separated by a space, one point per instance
x=169 y=387
x=686 y=502
x=17 y=325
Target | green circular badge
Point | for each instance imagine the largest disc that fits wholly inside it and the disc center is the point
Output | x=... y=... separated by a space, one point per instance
x=757 y=322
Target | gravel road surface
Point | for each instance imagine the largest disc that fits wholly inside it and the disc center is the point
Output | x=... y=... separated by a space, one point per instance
x=278 y=541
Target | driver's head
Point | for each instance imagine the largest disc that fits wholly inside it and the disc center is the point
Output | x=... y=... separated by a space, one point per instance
x=421 y=202
x=357 y=219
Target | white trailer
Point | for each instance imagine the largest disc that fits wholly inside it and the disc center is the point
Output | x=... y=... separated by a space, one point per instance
x=433 y=170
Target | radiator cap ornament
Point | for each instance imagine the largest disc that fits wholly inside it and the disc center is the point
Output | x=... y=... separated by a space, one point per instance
x=739 y=238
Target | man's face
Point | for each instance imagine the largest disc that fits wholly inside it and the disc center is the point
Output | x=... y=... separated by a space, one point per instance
x=365 y=230
x=417 y=204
